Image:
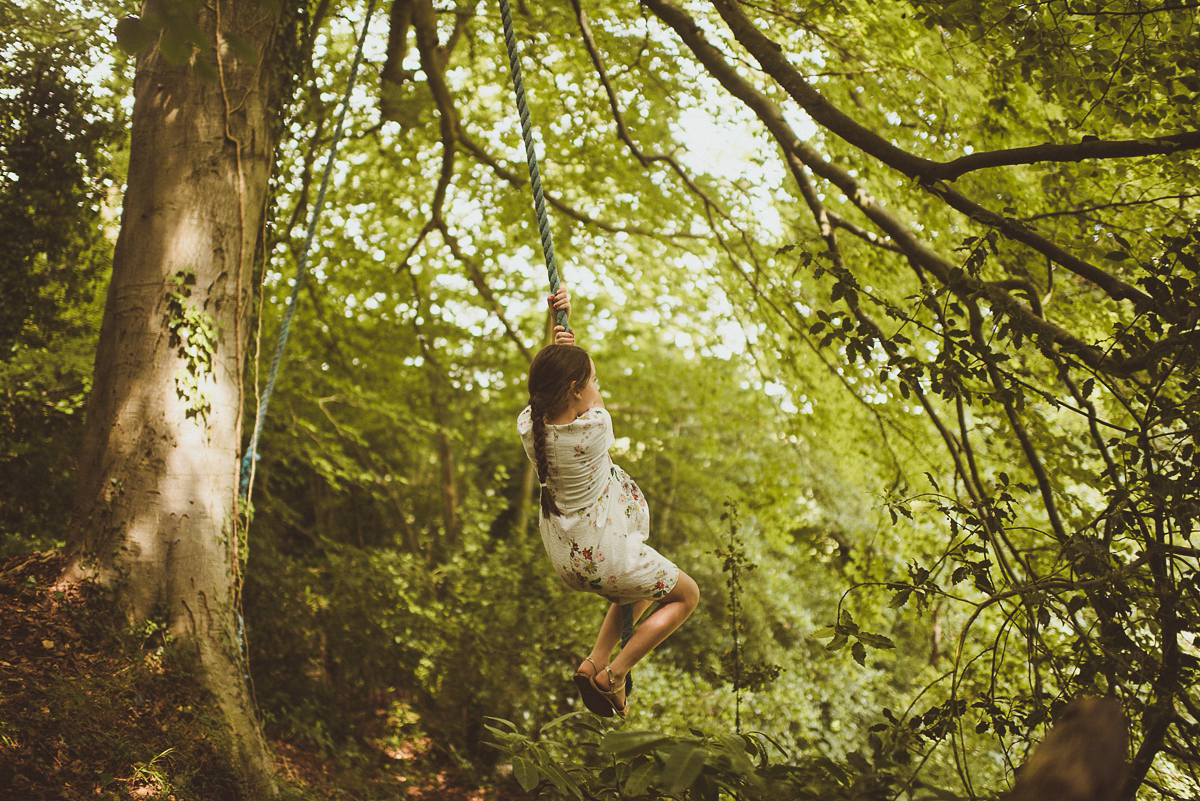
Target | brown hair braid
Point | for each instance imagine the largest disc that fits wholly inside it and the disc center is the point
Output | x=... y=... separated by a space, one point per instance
x=554 y=373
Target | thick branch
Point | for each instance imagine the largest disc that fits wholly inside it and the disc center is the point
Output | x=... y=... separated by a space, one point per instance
x=1015 y=230
x=425 y=23
x=947 y=273
x=399 y=21
x=1082 y=151
x=775 y=63
x=930 y=174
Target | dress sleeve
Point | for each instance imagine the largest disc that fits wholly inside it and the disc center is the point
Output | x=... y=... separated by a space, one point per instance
x=598 y=431
x=609 y=437
x=525 y=430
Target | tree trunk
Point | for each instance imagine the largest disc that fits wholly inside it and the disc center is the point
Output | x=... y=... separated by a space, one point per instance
x=155 y=513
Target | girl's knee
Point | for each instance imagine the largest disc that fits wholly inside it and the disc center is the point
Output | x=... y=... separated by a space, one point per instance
x=689 y=591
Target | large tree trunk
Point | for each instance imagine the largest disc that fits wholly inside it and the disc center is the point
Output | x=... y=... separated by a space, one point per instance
x=155 y=512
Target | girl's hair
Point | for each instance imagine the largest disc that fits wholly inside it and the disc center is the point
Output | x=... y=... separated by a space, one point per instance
x=554 y=373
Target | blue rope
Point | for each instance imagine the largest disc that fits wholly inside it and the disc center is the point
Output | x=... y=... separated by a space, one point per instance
x=301 y=267
x=535 y=178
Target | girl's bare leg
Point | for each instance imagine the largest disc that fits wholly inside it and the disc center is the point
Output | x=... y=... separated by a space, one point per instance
x=674 y=608
x=609 y=636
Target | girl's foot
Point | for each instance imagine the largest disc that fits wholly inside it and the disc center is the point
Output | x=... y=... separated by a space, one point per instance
x=593 y=698
x=604 y=682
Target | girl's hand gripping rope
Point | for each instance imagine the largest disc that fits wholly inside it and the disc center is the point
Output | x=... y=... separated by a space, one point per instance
x=561 y=300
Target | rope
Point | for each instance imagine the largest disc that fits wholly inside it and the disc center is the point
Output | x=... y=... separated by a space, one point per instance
x=535 y=178
x=626 y=634
x=543 y=222
x=248 y=460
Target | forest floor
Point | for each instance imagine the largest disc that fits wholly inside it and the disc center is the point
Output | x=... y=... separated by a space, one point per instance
x=90 y=709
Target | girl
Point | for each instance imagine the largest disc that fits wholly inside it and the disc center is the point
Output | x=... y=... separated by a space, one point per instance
x=594 y=520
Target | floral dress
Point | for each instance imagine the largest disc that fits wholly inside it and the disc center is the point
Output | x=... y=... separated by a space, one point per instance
x=599 y=543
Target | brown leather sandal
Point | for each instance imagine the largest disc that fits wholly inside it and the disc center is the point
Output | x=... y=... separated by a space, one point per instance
x=618 y=706
x=593 y=697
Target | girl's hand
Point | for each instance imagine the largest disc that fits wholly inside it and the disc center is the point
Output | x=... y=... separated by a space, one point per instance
x=563 y=337
x=560 y=299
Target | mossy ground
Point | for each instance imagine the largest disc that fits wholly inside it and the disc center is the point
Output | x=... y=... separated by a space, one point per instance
x=92 y=709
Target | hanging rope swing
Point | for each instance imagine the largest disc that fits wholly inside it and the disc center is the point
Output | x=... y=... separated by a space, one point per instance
x=543 y=221
x=250 y=457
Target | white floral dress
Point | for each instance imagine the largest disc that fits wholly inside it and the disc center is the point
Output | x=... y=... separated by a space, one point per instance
x=599 y=543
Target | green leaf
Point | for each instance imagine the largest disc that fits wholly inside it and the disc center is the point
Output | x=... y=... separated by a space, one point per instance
x=174 y=47
x=859 y=762
x=204 y=70
x=527 y=773
x=560 y=779
x=134 y=36
x=560 y=719
x=192 y=32
x=154 y=21
x=683 y=765
x=859 y=653
x=640 y=778
x=501 y=721
x=876 y=640
x=628 y=744
x=240 y=47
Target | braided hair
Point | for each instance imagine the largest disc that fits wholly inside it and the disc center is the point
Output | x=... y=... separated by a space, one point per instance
x=556 y=371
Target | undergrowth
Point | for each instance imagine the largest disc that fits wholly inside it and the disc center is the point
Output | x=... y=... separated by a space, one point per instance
x=91 y=708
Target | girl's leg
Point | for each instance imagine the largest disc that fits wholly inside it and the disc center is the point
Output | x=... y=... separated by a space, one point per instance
x=674 y=608
x=609 y=636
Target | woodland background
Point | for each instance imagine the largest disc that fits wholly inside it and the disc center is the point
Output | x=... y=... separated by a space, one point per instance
x=894 y=305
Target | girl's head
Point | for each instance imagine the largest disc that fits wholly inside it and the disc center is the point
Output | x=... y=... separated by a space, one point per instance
x=556 y=376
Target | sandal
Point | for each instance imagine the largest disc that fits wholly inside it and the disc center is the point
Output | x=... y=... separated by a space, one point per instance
x=593 y=697
x=618 y=706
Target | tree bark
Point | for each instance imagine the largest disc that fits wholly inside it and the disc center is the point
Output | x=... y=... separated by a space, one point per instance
x=155 y=513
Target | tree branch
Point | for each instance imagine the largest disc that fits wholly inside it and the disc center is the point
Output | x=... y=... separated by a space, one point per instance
x=931 y=175
x=1114 y=205
x=646 y=159
x=1142 y=13
x=425 y=23
x=1091 y=149
x=1015 y=230
x=517 y=180
x=950 y=275
x=869 y=237
x=475 y=274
